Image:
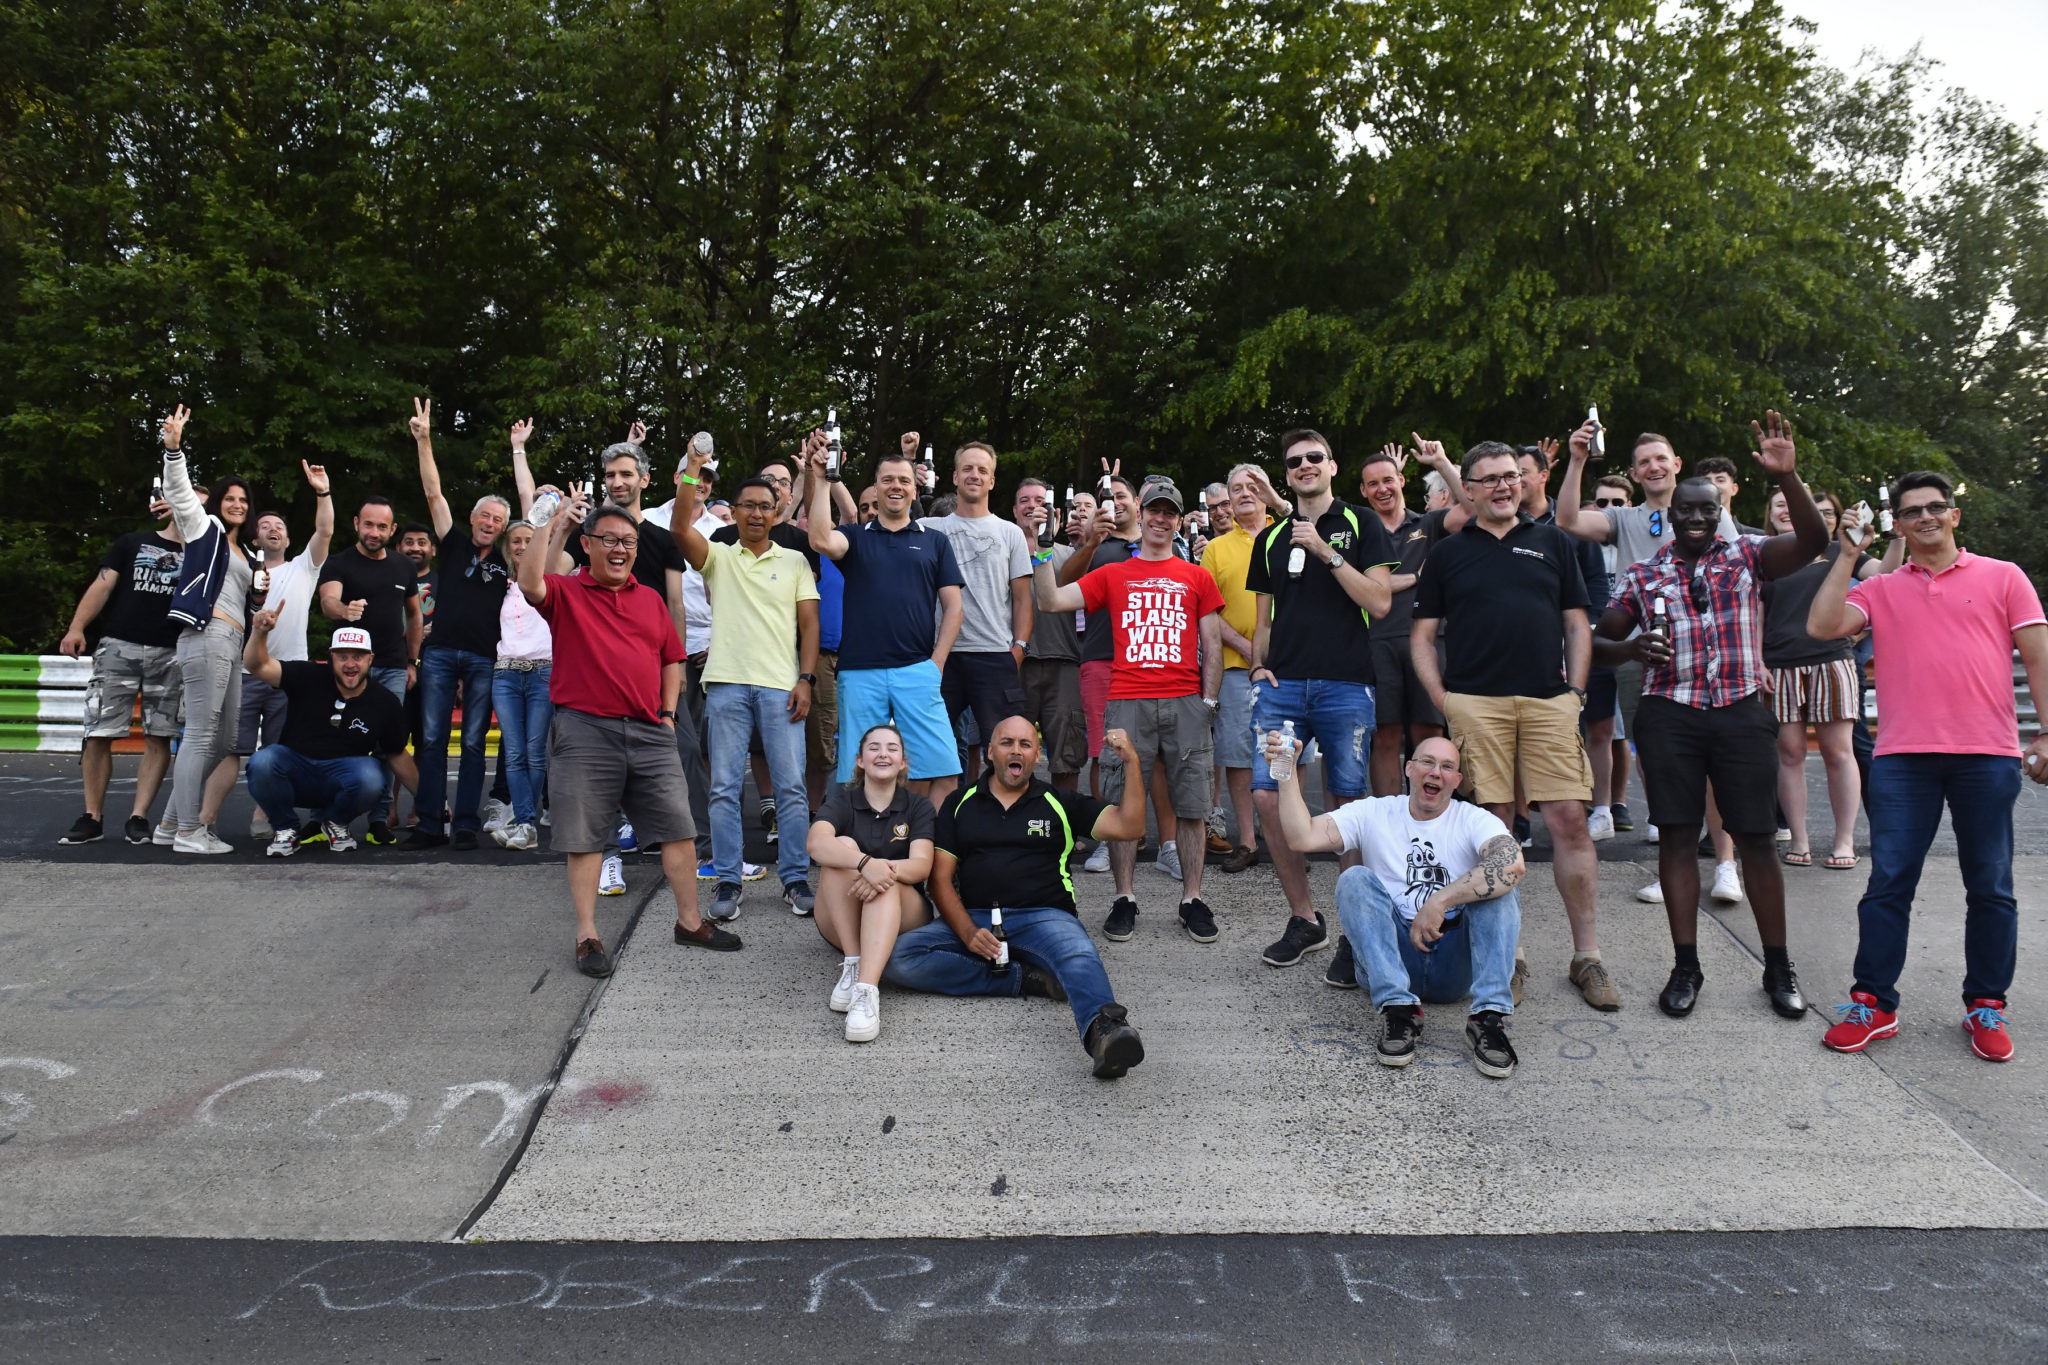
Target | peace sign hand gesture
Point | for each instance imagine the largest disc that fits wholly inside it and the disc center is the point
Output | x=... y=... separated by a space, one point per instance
x=173 y=427
x=422 y=420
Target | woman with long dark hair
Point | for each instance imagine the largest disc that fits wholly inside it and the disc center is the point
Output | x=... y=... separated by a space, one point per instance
x=214 y=597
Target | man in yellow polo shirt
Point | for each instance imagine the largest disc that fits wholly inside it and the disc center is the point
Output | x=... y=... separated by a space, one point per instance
x=1250 y=502
x=762 y=598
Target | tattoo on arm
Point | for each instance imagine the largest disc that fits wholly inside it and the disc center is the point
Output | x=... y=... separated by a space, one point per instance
x=1496 y=871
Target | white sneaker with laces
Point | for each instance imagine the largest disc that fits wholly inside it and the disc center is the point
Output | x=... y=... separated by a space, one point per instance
x=752 y=872
x=201 y=840
x=611 y=881
x=497 y=815
x=1783 y=835
x=849 y=977
x=522 y=838
x=1169 y=859
x=1653 y=894
x=1600 y=824
x=1098 y=861
x=259 y=825
x=166 y=834
x=283 y=844
x=1651 y=837
x=864 y=1015
x=339 y=840
x=1727 y=883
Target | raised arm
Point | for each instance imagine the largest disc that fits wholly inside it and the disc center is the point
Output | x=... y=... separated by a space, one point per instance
x=1570 y=491
x=186 y=508
x=1831 y=617
x=1126 y=819
x=1099 y=527
x=826 y=538
x=1798 y=547
x=522 y=473
x=1462 y=508
x=421 y=424
x=533 y=571
x=256 y=658
x=1304 y=833
x=1053 y=595
x=682 y=524
x=323 y=513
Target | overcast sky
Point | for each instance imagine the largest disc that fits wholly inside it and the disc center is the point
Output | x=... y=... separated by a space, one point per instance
x=1995 y=49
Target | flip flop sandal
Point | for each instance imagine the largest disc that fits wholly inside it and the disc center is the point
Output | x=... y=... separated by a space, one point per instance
x=1796 y=859
x=1837 y=863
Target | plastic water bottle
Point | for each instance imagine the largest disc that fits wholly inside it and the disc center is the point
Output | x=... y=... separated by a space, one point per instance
x=1001 y=961
x=835 y=448
x=1284 y=769
x=543 y=509
x=1598 y=444
x=701 y=443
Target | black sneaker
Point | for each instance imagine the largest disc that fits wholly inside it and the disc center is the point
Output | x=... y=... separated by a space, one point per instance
x=707 y=935
x=1196 y=919
x=138 y=829
x=380 y=833
x=726 y=905
x=1343 y=972
x=1492 y=1053
x=1401 y=1034
x=1622 y=819
x=1522 y=834
x=419 y=841
x=768 y=824
x=1113 y=1043
x=1301 y=937
x=84 y=830
x=463 y=841
x=1122 y=921
x=592 y=959
x=1041 y=983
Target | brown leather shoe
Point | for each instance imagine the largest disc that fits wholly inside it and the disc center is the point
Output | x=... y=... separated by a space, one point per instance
x=1218 y=844
x=592 y=959
x=1241 y=859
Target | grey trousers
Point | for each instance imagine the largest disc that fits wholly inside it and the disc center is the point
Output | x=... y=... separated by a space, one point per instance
x=210 y=662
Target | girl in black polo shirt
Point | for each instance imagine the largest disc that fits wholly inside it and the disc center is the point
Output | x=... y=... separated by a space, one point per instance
x=872 y=840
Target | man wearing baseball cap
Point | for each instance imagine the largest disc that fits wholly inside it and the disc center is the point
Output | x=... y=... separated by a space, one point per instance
x=1166 y=666
x=336 y=728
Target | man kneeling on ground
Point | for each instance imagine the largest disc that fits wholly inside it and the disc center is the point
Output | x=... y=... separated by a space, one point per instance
x=336 y=725
x=1008 y=839
x=1433 y=914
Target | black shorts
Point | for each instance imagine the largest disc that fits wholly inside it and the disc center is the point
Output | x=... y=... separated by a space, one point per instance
x=1683 y=748
x=986 y=684
x=1602 y=699
x=1398 y=698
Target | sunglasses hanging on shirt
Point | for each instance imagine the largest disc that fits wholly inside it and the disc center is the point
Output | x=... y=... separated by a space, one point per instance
x=334 y=721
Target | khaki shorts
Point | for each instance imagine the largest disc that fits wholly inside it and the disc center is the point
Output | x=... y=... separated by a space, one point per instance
x=821 y=726
x=1175 y=730
x=1052 y=702
x=1497 y=737
x=121 y=672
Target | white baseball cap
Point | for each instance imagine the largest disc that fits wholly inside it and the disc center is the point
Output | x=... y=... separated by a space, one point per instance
x=351 y=637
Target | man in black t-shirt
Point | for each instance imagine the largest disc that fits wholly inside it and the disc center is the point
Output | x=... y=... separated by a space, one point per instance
x=136 y=657
x=1007 y=840
x=1322 y=578
x=374 y=587
x=336 y=728
x=1402 y=711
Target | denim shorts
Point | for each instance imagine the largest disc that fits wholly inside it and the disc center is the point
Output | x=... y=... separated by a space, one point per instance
x=1337 y=715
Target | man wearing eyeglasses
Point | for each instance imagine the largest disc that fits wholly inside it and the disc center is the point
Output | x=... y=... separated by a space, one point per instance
x=336 y=728
x=1312 y=656
x=1703 y=718
x=1510 y=599
x=1944 y=624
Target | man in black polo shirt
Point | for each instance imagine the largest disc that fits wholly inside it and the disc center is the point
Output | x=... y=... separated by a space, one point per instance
x=1008 y=842
x=1514 y=680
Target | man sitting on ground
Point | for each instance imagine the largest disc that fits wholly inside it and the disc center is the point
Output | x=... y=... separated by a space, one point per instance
x=1008 y=838
x=1433 y=913
x=336 y=727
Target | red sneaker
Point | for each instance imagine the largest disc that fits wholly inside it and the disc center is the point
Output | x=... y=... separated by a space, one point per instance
x=1863 y=1023
x=1985 y=1023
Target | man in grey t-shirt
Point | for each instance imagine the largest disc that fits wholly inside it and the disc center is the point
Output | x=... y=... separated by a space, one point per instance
x=1052 y=662
x=983 y=673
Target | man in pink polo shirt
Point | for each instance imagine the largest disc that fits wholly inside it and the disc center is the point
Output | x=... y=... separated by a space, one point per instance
x=1944 y=625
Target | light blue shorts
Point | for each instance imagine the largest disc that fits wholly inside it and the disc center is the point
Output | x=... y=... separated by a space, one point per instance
x=909 y=698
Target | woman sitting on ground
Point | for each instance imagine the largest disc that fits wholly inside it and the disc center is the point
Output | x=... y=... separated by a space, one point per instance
x=872 y=841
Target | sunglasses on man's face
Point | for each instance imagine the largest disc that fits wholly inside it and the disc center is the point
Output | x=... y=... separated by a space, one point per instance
x=1610 y=502
x=1922 y=509
x=1306 y=457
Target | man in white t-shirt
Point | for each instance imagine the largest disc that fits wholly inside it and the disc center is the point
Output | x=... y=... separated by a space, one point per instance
x=290 y=586
x=1433 y=913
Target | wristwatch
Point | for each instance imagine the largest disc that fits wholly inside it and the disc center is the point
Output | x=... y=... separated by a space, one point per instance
x=1335 y=561
x=1580 y=690
x=810 y=678
x=666 y=715
x=1020 y=644
x=1210 y=702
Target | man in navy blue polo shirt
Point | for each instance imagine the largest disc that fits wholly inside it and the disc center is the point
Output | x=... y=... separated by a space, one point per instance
x=894 y=643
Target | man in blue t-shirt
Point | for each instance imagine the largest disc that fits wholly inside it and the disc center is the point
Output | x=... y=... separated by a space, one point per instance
x=899 y=578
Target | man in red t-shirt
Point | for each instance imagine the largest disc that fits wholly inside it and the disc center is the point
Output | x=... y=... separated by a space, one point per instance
x=1166 y=666
x=618 y=667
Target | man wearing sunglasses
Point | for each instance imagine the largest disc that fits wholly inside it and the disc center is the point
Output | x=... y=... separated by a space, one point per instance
x=1322 y=576
x=1703 y=718
x=336 y=728
x=1944 y=625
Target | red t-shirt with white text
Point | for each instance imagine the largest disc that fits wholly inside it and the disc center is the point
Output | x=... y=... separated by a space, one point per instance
x=1155 y=610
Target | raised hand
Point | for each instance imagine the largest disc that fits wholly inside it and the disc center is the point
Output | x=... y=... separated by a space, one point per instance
x=637 y=433
x=353 y=611
x=173 y=427
x=522 y=432
x=1582 y=440
x=1393 y=451
x=1774 y=445
x=265 y=621
x=1121 y=742
x=1548 y=445
x=1854 y=534
x=422 y=420
x=815 y=453
x=316 y=477
x=1428 y=452
x=907 y=443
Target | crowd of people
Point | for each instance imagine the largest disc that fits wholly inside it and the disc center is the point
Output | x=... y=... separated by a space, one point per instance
x=884 y=673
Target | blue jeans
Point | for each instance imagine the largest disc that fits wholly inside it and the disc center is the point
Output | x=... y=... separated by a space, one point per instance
x=1338 y=715
x=1906 y=795
x=1475 y=955
x=932 y=958
x=338 y=789
x=521 y=701
x=439 y=671
x=733 y=711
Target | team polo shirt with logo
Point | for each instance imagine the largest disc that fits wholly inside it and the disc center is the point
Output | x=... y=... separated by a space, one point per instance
x=885 y=833
x=1318 y=631
x=1505 y=598
x=1016 y=857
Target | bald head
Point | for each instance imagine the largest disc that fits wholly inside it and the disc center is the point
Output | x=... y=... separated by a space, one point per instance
x=1437 y=748
x=1013 y=751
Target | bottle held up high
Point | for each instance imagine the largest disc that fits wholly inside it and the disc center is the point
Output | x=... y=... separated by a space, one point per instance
x=701 y=443
x=1598 y=445
x=1884 y=508
x=835 y=447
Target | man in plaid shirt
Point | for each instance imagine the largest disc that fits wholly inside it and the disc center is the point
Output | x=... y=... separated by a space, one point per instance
x=1702 y=719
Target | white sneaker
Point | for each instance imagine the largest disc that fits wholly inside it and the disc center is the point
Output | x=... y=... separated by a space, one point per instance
x=1169 y=860
x=1098 y=861
x=1600 y=824
x=612 y=880
x=283 y=844
x=201 y=840
x=521 y=838
x=1651 y=837
x=864 y=1015
x=1783 y=835
x=1727 y=883
x=339 y=840
x=752 y=872
x=1653 y=894
x=545 y=822
x=165 y=834
x=500 y=834
x=842 y=994
x=259 y=825
x=497 y=814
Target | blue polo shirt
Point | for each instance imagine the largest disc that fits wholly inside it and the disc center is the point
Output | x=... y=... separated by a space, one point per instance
x=892 y=592
x=831 y=596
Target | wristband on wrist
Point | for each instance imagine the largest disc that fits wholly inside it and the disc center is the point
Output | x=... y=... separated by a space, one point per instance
x=685 y=478
x=860 y=868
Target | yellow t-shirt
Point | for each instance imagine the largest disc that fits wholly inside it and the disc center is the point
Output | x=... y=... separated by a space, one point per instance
x=1228 y=558
x=753 y=614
